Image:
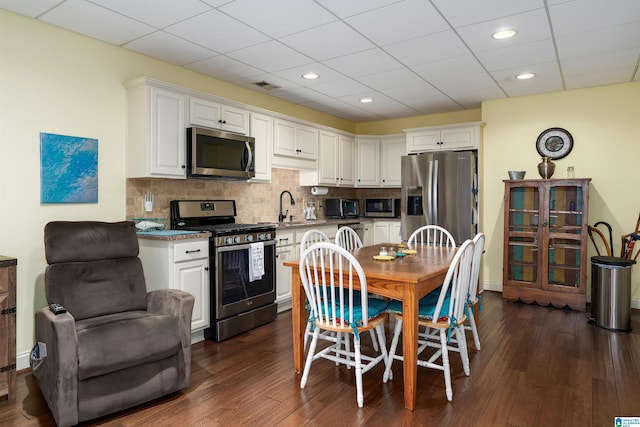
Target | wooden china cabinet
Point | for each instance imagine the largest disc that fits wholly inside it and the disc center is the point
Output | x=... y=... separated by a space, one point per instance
x=545 y=241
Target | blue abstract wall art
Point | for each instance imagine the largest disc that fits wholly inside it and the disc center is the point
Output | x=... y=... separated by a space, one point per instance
x=68 y=169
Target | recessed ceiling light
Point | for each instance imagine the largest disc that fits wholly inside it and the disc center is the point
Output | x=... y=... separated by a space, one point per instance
x=525 y=76
x=504 y=34
x=310 y=76
x=366 y=100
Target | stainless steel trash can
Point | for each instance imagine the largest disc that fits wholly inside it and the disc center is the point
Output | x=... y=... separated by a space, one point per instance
x=611 y=292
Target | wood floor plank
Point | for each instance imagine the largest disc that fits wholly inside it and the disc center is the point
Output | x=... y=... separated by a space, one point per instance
x=539 y=366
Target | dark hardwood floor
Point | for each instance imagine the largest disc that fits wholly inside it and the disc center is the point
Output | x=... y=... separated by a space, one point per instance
x=538 y=366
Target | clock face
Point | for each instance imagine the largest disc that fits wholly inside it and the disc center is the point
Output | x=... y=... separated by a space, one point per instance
x=554 y=143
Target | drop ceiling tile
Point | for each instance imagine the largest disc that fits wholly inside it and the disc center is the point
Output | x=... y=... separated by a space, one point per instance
x=587 y=15
x=451 y=67
x=599 y=41
x=471 y=86
x=31 y=9
x=341 y=88
x=299 y=95
x=547 y=79
x=158 y=13
x=434 y=47
x=392 y=78
x=212 y=29
x=398 y=21
x=224 y=68
x=280 y=83
x=295 y=74
x=531 y=26
x=344 y=9
x=622 y=62
x=271 y=56
x=364 y=63
x=465 y=12
x=410 y=91
x=328 y=41
x=437 y=103
x=169 y=48
x=354 y=99
x=95 y=21
x=278 y=18
x=519 y=55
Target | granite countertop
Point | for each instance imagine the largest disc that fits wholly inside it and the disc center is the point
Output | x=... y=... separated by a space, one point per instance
x=318 y=222
x=173 y=235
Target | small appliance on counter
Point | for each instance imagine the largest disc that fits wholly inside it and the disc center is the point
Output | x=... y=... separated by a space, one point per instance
x=382 y=208
x=341 y=208
x=310 y=211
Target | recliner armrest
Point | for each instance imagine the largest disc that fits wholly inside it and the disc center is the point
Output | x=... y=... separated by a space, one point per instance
x=178 y=304
x=58 y=373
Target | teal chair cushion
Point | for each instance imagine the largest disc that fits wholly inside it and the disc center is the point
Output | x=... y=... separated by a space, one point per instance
x=426 y=305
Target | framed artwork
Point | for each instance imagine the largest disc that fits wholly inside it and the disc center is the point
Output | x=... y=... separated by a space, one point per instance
x=68 y=169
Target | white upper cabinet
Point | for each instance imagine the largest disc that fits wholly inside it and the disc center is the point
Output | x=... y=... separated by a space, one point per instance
x=335 y=161
x=156 y=131
x=295 y=140
x=465 y=136
x=210 y=114
x=378 y=160
x=262 y=131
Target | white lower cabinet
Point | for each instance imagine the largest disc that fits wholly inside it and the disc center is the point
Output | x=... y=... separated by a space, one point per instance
x=184 y=265
x=285 y=251
x=386 y=232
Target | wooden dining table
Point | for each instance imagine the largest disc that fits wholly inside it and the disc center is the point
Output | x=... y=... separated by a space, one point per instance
x=406 y=278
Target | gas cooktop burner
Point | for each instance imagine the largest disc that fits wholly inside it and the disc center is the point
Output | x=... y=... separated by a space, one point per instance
x=234 y=228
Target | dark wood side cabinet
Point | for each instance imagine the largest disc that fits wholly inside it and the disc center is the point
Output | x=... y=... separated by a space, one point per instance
x=545 y=241
x=8 y=328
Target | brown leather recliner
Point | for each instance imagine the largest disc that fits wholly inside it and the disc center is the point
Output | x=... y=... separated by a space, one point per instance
x=117 y=346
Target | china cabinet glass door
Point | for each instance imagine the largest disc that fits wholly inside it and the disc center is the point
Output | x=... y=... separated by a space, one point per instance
x=523 y=217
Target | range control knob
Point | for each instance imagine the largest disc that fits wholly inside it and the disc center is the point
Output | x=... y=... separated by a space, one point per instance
x=236 y=239
x=228 y=240
x=261 y=236
x=249 y=237
x=267 y=236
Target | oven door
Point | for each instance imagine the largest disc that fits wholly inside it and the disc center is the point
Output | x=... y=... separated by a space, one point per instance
x=233 y=291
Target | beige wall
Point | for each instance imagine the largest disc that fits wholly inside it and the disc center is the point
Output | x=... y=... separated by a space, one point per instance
x=605 y=125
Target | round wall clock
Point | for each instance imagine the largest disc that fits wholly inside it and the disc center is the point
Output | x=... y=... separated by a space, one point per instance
x=554 y=143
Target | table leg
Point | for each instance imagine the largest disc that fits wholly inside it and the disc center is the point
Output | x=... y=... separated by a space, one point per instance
x=410 y=346
x=298 y=318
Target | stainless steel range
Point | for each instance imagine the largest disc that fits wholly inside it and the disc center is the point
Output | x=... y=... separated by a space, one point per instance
x=238 y=302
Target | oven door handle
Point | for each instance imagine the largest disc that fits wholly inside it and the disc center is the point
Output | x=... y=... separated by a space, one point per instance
x=242 y=247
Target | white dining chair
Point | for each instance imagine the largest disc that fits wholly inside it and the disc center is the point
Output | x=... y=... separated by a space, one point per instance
x=328 y=274
x=347 y=238
x=474 y=298
x=432 y=235
x=443 y=311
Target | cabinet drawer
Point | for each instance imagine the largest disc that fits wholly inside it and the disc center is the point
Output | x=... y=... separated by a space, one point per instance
x=284 y=239
x=190 y=250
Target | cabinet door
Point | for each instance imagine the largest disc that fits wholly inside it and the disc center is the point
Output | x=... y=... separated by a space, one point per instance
x=204 y=113
x=346 y=169
x=283 y=276
x=368 y=162
x=193 y=277
x=262 y=131
x=459 y=138
x=522 y=257
x=284 y=140
x=391 y=159
x=394 y=232
x=424 y=140
x=168 y=134
x=234 y=119
x=380 y=232
x=307 y=142
x=328 y=158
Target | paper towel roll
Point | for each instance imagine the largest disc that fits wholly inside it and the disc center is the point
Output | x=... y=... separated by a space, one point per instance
x=319 y=191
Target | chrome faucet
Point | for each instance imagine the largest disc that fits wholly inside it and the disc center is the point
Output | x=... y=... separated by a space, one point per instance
x=282 y=216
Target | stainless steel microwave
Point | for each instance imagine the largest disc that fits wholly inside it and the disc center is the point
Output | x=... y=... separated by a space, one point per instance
x=213 y=153
x=341 y=208
x=386 y=208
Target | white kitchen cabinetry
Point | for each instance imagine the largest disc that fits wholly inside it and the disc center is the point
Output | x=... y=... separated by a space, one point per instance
x=335 y=161
x=203 y=112
x=156 y=130
x=184 y=265
x=285 y=251
x=262 y=131
x=386 y=232
x=367 y=239
x=295 y=140
x=453 y=137
x=378 y=160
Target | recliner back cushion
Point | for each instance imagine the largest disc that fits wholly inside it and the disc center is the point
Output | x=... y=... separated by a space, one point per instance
x=94 y=267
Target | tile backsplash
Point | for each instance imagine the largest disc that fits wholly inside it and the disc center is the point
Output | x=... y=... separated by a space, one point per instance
x=255 y=202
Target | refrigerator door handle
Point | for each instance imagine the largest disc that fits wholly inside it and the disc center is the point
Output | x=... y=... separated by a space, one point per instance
x=434 y=197
x=426 y=210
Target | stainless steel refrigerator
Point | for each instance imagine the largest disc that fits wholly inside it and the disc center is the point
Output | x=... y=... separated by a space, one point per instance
x=440 y=188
